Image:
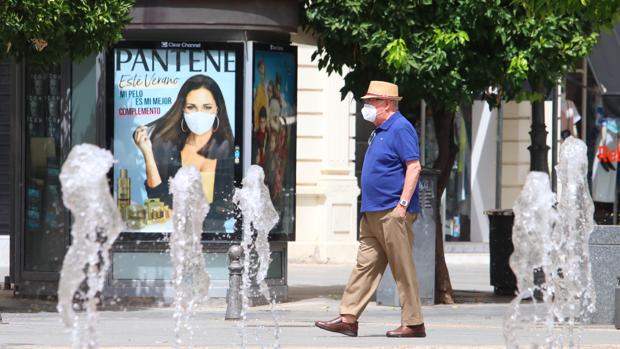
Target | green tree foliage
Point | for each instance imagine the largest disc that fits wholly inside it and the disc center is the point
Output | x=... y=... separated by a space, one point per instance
x=447 y=52
x=46 y=31
x=601 y=12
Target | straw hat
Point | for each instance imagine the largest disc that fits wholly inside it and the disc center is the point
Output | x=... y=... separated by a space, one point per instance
x=382 y=90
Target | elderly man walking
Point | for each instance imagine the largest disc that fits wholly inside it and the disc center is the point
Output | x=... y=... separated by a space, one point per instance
x=389 y=207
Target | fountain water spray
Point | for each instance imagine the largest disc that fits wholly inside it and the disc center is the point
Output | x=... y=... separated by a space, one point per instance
x=553 y=236
x=97 y=223
x=574 y=296
x=259 y=216
x=535 y=217
x=189 y=276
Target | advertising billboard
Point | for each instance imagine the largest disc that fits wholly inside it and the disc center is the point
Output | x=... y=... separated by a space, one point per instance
x=175 y=104
x=274 y=128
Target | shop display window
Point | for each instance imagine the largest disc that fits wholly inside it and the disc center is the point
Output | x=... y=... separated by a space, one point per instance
x=44 y=218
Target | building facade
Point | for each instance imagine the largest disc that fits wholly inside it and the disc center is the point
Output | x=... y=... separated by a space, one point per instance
x=242 y=47
x=75 y=96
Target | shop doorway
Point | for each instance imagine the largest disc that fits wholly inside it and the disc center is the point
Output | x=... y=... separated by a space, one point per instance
x=41 y=222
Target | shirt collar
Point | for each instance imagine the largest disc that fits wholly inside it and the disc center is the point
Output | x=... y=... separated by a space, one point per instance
x=387 y=123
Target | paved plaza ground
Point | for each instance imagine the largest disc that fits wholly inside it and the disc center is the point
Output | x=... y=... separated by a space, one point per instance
x=475 y=322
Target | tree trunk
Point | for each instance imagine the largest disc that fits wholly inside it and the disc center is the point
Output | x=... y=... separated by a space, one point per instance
x=444 y=129
x=538 y=135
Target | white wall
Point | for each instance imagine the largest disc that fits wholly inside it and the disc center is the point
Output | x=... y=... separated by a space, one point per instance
x=483 y=160
x=326 y=185
x=516 y=156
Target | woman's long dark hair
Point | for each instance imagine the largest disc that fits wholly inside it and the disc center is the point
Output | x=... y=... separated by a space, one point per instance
x=168 y=127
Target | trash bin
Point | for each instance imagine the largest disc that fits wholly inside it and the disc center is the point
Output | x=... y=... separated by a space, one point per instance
x=500 y=247
x=423 y=247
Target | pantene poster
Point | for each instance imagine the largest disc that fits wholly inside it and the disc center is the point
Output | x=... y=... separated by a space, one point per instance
x=175 y=104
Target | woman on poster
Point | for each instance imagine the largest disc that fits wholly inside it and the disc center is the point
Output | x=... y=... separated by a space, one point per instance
x=194 y=132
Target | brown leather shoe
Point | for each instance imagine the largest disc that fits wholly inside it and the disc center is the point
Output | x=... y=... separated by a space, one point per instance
x=339 y=326
x=408 y=331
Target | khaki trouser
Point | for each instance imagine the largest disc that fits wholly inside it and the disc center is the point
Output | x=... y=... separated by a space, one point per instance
x=384 y=238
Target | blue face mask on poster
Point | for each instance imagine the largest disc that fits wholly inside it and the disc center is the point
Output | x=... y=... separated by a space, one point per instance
x=199 y=122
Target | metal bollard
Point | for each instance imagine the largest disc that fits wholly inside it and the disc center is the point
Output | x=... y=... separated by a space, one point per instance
x=539 y=280
x=233 y=295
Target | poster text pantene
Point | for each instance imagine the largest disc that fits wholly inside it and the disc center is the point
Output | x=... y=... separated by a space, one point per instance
x=156 y=87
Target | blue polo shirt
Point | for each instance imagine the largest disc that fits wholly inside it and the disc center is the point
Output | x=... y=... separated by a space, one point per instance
x=383 y=174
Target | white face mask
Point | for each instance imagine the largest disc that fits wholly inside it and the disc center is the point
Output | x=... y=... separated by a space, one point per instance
x=199 y=122
x=369 y=112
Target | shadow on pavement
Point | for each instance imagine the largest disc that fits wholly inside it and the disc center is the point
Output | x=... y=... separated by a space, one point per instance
x=301 y=292
x=485 y=297
x=10 y=303
x=19 y=304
